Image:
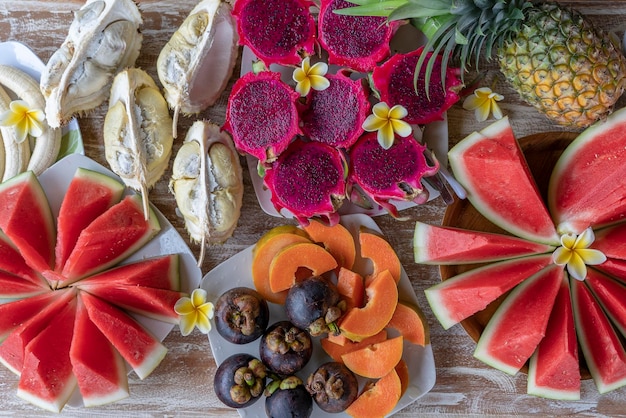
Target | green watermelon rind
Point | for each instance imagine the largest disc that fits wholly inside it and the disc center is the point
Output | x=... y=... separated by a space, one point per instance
x=424 y=233
x=495 y=323
x=462 y=176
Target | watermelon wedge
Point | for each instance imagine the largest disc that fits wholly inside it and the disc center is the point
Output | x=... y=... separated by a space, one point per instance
x=26 y=218
x=47 y=379
x=99 y=369
x=15 y=287
x=600 y=344
x=461 y=296
x=159 y=273
x=611 y=241
x=588 y=181
x=614 y=268
x=491 y=166
x=88 y=196
x=518 y=325
x=12 y=262
x=553 y=370
x=446 y=245
x=110 y=238
x=611 y=296
x=13 y=314
x=140 y=349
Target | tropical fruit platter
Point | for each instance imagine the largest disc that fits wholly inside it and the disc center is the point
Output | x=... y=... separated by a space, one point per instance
x=312 y=208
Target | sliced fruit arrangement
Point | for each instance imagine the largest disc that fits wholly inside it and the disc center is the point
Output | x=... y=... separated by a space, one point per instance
x=73 y=328
x=271 y=120
x=518 y=288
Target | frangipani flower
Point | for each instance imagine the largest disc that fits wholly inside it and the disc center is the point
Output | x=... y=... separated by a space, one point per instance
x=309 y=77
x=576 y=254
x=27 y=121
x=194 y=311
x=483 y=102
x=387 y=122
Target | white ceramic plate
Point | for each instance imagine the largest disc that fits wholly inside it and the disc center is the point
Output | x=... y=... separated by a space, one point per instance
x=55 y=182
x=435 y=134
x=237 y=272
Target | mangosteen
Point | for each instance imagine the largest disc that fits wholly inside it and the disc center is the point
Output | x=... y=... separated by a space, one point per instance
x=288 y=398
x=333 y=387
x=285 y=349
x=240 y=380
x=241 y=315
x=312 y=304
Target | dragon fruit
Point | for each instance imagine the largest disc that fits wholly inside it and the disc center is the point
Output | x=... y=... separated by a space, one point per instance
x=356 y=42
x=394 y=81
x=259 y=126
x=334 y=116
x=385 y=174
x=277 y=31
x=308 y=180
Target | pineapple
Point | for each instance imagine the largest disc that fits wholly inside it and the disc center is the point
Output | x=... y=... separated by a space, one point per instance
x=551 y=55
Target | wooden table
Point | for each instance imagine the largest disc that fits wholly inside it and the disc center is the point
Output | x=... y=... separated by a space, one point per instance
x=182 y=384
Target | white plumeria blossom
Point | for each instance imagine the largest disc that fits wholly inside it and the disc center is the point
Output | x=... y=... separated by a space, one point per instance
x=309 y=77
x=27 y=121
x=483 y=102
x=388 y=122
x=575 y=253
x=194 y=311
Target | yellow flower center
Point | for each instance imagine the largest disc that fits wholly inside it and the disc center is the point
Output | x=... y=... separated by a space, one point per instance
x=575 y=254
x=27 y=121
x=388 y=122
x=194 y=311
x=483 y=102
x=309 y=77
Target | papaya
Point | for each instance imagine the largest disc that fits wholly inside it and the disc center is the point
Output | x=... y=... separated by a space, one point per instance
x=409 y=321
x=381 y=253
x=336 y=346
x=289 y=260
x=337 y=240
x=375 y=360
x=402 y=369
x=378 y=399
x=351 y=287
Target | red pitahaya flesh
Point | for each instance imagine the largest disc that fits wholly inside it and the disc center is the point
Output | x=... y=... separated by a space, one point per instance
x=356 y=42
x=394 y=80
x=261 y=115
x=309 y=180
x=334 y=116
x=395 y=173
x=277 y=31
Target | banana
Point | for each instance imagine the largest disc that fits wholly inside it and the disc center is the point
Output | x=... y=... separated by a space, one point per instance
x=15 y=155
x=47 y=146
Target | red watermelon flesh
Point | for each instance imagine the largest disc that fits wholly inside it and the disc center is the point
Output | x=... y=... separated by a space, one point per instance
x=492 y=168
x=159 y=273
x=26 y=218
x=47 y=379
x=13 y=314
x=99 y=369
x=12 y=261
x=600 y=344
x=12 y=348
x=588 y=181
x=110 y=238
x=138 y=347
x=447 y=245
x=88 y=196
x=461 y=296
x=520 y=322
x=146 y=301
x=12 y=286
x=611 y=295
x=554 y=370
x=611 y=241
x=614 y=268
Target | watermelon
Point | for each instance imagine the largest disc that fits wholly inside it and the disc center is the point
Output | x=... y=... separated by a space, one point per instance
x=110 y=238
x=611 y=241
x=12 y=286
x=600 y=344
x=13 y=314
x=553 y=370
x=491 y=167
x=445 y=245
x=611 y=295
x=138 y=347
x=88 y=195
x=99 y=369
x=12 y=262
x=614 y=268
x=518 y=325
x=47 y=379
x=26 y=218
x=159 y=272
x=461 y=296
x=588 y=181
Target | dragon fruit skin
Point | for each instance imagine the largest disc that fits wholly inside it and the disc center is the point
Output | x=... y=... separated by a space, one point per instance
x=261 y=127
x=395 y=173
x=277 y=31
x=394 y=81
x=335 y=115
x=308 y=180
x=356 y=42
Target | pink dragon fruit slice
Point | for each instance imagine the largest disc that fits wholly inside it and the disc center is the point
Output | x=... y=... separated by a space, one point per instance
x=261 y=115
x=356 y=42
x=394 y=81
x=309 y=180
x=395 y=173
x=334 y=116
x=277 y=31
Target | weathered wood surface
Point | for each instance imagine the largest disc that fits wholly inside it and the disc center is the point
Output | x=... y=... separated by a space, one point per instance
x=182 y=384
